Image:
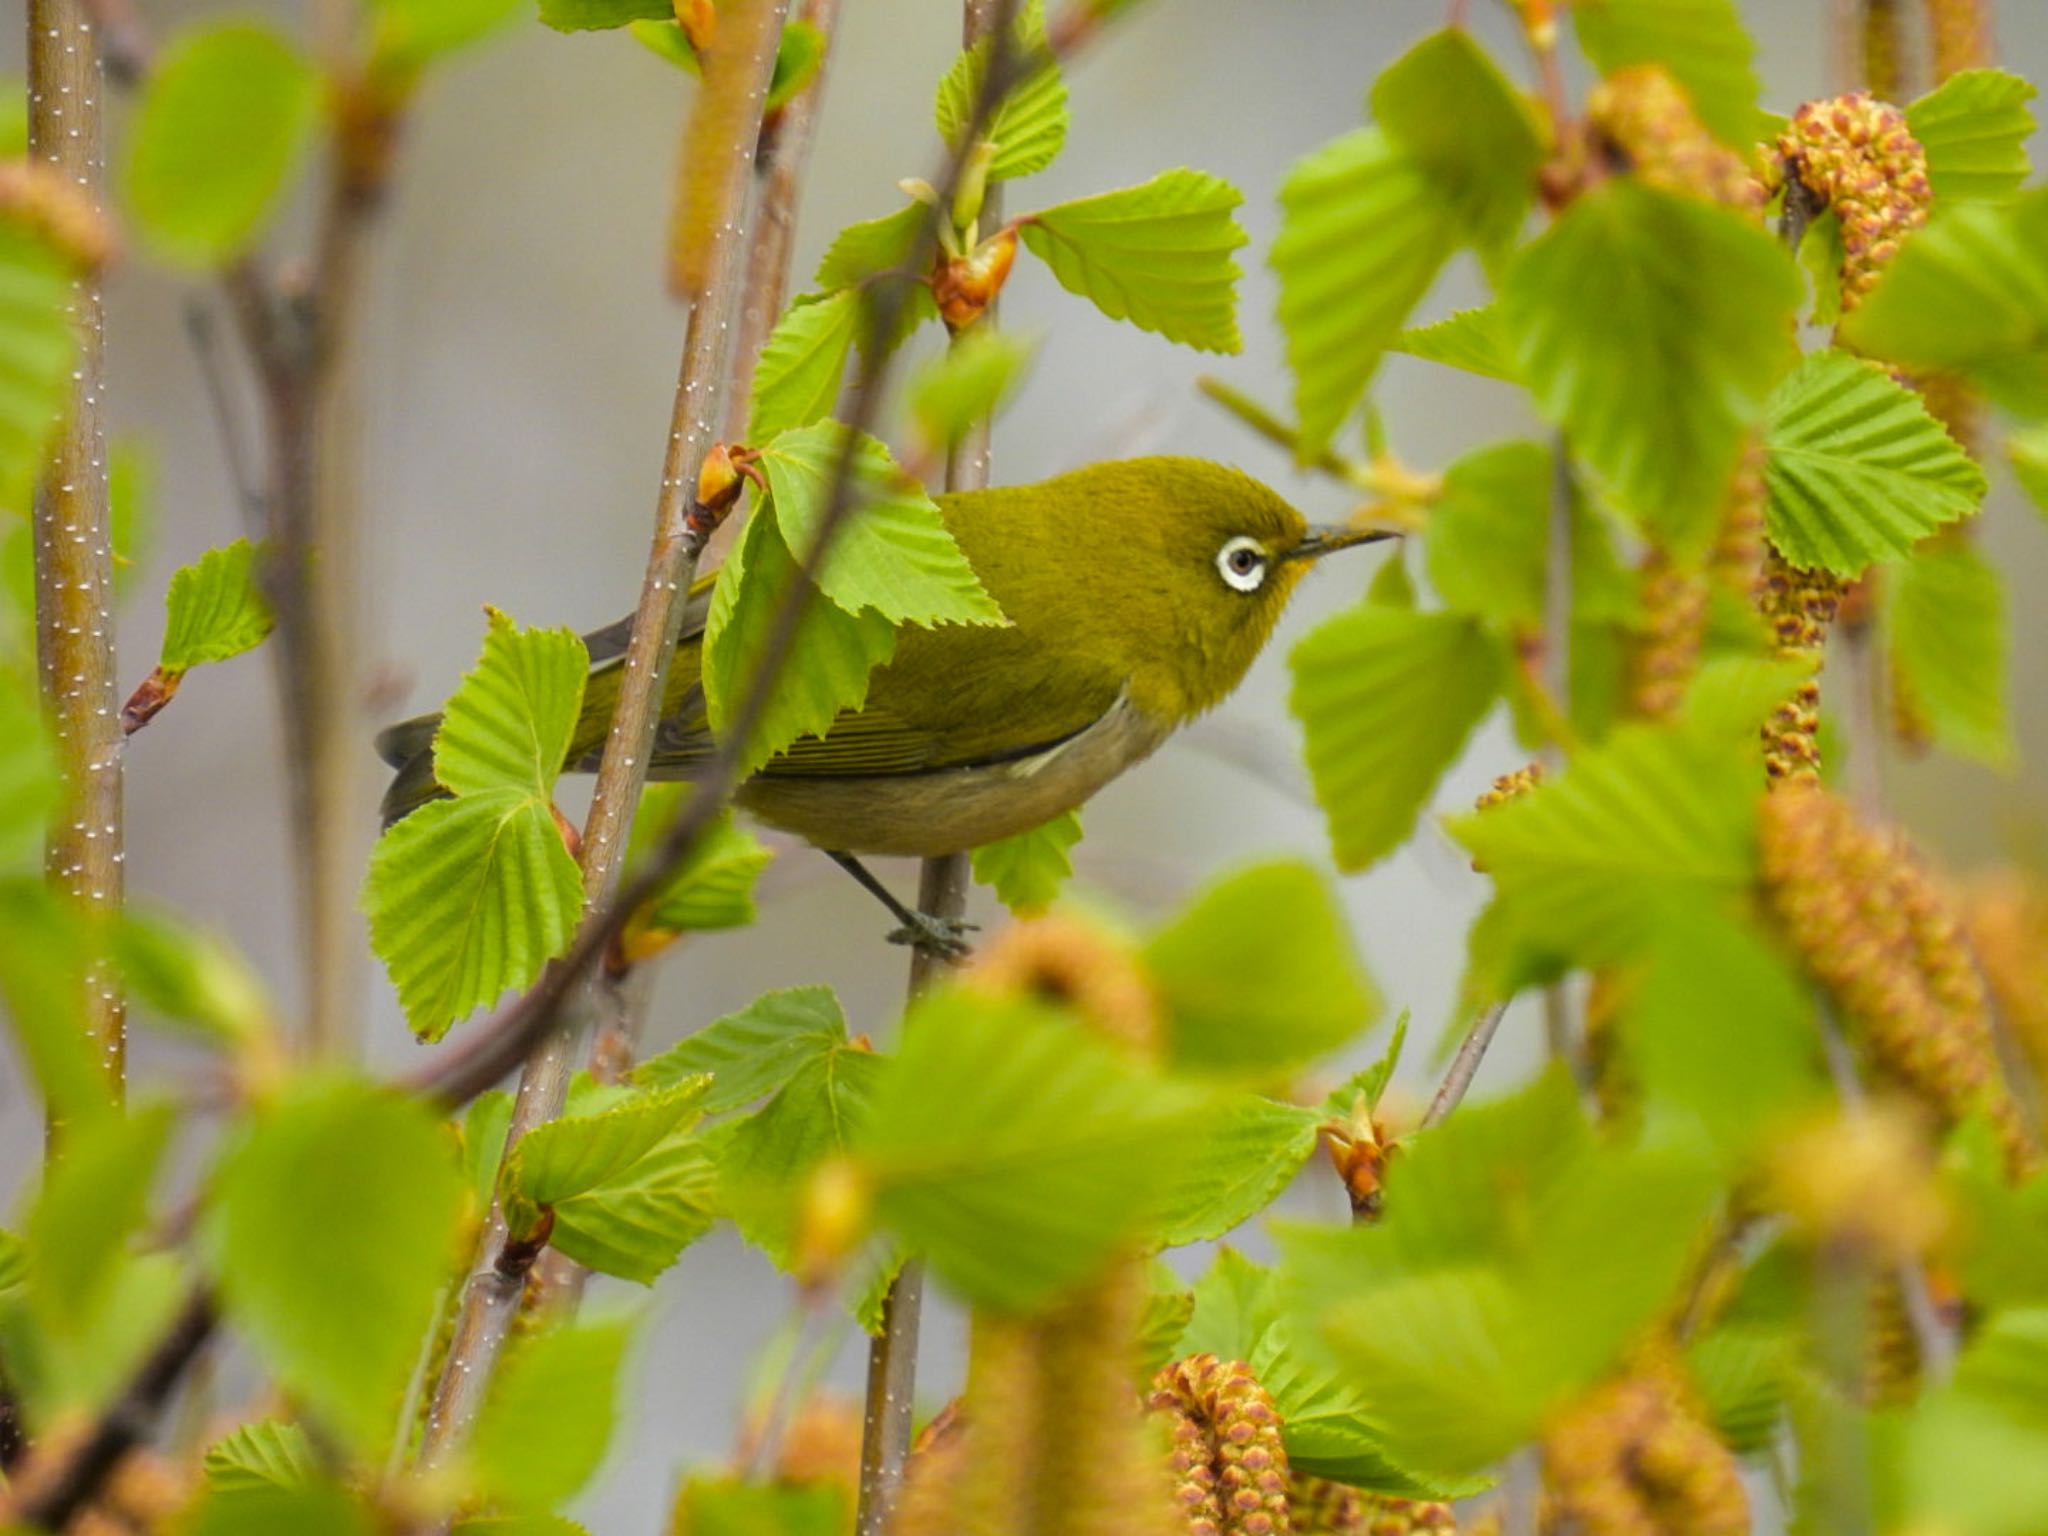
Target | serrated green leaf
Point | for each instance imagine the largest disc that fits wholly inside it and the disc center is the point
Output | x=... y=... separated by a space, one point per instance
x=1016 y=1151
x=1486 y=545
x=189 y=978
x=329 y=1237
x=710 y=1505
x=1652 y=328
x=484 y=1131
x=894 y=556
x=797 y=379
x=1999 y=1245
x=215 y=608
x=830 y=659
x=36 y=347
x=1945 y=623
x=1743 y=1375
x=637 y=1224
x=1387 y=698
x=1483 y=155
x=226 y=112
x=1856 y=468
x=29 y=784
x=1358 y=1096
x=1975 y=128
x=799 y=55
x=564 y=1158
x=92 y=1201
x=1475 y=340
x=964 y=385
x=714 y=887
x=1027 y=871
x=467 y=899
x=1157 y=255
x=268 y=1454
x=507 y=726
x=549 y=1414
x=1168 y=1307
x=1729 y=695
x=860 y=251
x=1029 y=125
x=1258 y=973
x=752 y=1053
x=408 y=35
x=602 y=15
x=318 y=1509
x=1363 y=234
x=1821 y=255
x=1253 y=1153
x=13 y=1262
x=1702 y=42
x=766 y=1166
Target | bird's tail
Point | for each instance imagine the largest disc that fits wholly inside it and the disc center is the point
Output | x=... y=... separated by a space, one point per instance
x=409 y=747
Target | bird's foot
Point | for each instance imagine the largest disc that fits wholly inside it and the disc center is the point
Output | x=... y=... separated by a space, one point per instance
x=944 y=938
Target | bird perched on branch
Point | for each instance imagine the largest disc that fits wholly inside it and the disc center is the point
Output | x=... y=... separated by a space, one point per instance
x=1138 y=593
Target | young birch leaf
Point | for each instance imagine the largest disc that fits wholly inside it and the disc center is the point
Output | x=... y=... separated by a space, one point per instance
x=215 y=608
x=637 y=1223
x=266 y=1454
x=833 y=653
x=1027 y=871
x=564 y=1158
x=36 y=345
x=188 y=977
x=895 y=555
x=43 y=964
x=91 y=1202
x=603 y=15
x=731 y=1506
x=799 y=55
x=1014 y=1150
x=1029 y=124
x=963 y=386
x=754 y=1052
x=1484 y=154
x=1946 y=624
x=2028 y=452
x=1975 y=129
x=1857 y=469
x=714 y=888
x=549 y=1414
x=797 y=379
x=29 y=785
x=1475 y=340
x=412 y=34
x=1652 y=327
x=508 y=725
x=1363 y=234
x=1386 y=698
x=329 y=1236
x=1157 y=255
x=317 y=1509
x=1701 y=42
x=1255 y=1151
x=1259 y=974
x=766 y=1167
x=224 y=116
x=860 y=251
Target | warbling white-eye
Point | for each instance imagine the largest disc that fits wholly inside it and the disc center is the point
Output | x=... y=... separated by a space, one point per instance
x=1138 y=593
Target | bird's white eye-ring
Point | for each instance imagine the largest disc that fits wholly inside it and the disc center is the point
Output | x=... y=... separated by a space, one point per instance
x=1242 y=562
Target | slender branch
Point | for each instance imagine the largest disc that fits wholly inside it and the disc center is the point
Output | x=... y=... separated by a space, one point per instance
x=1464 y=1066
x=74 y=558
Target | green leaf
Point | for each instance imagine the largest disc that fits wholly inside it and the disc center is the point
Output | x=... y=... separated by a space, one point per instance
x=860 y=251
x=1857 y=469
x=215 y=608
x=268 y=1454
x=564 y=1158
x=1363 y=234
x=190 y=978
x=509 y=723
x=1821 y=255
x=830 y=659
x=69 y=1369
x=1254 y=1152
x=318 y=1509
x=1258 y=973
x=1999 y=1244
x=1484 y=154
x=1652 y=327
x=43 y=966
x=92 y=1201
x=549 y=1414
x=1701 y=42
x=14 y=1263
x=1169 y=1307
x=602 y=15
x=895 y=555
x=1029 y=125
x=411 y=34
x=714 y=887
x=766 y=1167
x=1975 y=129
x=1157 y=255
x=754 y=1052
x=29 y=785
x=1945 y=620
x=329 y=1237
x=799 y=55
x=36 y=346
x=2028 y=451
x=225 y=114
x=965 y=384
x=1027 y=871
x=1358 y=1096
x=719 y=1505
x=1387 y=698
x=797 y=379
x=1015 y=1150
x=468 y=898
x=1743 y=1374
x=1475 y=340
x=638 y=1223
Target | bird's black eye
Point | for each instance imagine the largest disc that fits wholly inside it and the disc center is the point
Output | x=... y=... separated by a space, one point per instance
x=1242 y=563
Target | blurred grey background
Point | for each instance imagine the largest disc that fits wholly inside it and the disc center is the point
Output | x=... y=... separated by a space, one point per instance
x=521 y=356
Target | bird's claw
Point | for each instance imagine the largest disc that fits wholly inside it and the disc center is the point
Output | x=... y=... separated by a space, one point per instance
x=942 y=937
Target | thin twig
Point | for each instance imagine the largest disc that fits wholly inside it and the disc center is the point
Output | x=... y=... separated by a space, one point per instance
x=199 y=329
x=1464 y=1066
x=74 y=556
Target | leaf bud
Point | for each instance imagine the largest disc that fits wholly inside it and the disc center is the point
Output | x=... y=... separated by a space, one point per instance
x=965 y=286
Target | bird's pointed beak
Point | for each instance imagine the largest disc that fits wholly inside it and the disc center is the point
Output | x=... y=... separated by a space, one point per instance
x=1326 y=539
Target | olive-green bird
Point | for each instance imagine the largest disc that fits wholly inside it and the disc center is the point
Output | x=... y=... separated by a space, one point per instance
x=1138 y=593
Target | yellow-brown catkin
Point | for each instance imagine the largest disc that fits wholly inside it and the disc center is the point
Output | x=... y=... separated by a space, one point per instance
x=1510 y=786
x=2006 y=918
x=1884 y=49
x=1064 y=960
x=1855 y=154
x=1874 y=929
x=1408 y=1517
x=1643 y=117
x=47 y=205
x=1637 y=1458
x=1319 y=1507
x=1960 y=34
x=1893 y=1368
x=1616 y=1088
x=1798 y=606
x=1736 y=562
x=1232 y=1468
x=1673 y=600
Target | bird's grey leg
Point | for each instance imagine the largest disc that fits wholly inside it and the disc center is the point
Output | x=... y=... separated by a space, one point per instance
x=941 y=936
